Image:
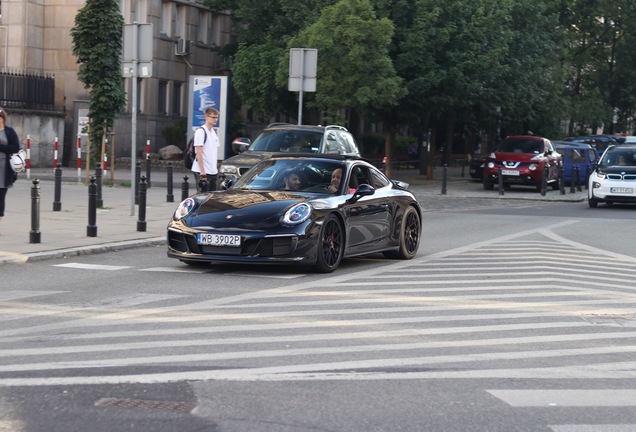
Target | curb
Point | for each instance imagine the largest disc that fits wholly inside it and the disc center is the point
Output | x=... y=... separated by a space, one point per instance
x=81 y=250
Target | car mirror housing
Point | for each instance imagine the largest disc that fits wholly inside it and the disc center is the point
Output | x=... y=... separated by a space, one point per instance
x=239 y=145
x=362 y=190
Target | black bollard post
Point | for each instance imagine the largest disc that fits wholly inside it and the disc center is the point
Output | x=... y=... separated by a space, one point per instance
x=91 y=228
x=99 y=202
x=544 y=180
x=573 y=181
x=561 y=182
x=57 y=199
x=500 y=180
x=137 y=176
x=141 y=223
x=588 y=171
x=34 y=234
x=185 y=188
x=169 y=195
x=148 y=169
x=578 y=178
x=444 y=176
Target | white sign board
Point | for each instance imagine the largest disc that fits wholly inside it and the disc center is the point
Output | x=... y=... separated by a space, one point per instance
x=303 y=64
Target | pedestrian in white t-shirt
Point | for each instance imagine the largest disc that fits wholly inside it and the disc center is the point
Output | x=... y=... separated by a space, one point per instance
x=206 y=145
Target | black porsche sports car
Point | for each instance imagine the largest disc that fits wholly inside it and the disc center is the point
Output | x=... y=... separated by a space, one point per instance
x=295 y=209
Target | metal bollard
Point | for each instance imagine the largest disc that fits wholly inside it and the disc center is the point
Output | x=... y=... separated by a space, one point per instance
x=500 y=181
x=561 y=182
x=169 y=195
x=57 y=199
x=34 y=234
x=444 y=176
x=141 y=222
x=91 y=228
x=577 y=173
x=185 y=188
x=544 y=180
x=137 y=176
x=99 y=202
x=148 y=169
x=588 y=171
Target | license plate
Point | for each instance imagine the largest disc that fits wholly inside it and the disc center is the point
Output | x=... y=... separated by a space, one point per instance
x=510 y=172
x=621 y=190
x=219 y=240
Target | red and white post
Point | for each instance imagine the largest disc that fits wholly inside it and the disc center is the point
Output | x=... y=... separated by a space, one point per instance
x=55 y=150
x=28 y=157
x=79 y=158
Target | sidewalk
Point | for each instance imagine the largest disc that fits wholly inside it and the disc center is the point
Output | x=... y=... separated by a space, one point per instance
x=64 y=233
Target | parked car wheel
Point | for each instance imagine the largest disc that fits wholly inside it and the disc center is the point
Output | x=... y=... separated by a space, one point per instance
x=592 y=202
x=331 y=245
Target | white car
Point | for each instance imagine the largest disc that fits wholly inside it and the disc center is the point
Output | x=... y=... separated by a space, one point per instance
x=614 y=177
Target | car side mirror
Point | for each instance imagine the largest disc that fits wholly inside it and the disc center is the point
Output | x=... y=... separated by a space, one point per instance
x=361 y=191
x=227 y=183
x=239 y=145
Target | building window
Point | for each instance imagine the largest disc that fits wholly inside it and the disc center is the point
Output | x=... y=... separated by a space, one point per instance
x=162 y=103
x=180 y=22
x=166 y=18
x=176 y=98
x=204 y=27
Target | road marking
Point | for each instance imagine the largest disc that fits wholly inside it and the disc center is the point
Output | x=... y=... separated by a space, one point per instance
x=566 y=398
x=92 y=266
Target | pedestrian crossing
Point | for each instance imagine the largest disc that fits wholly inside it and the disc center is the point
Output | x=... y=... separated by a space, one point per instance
x=531 y=307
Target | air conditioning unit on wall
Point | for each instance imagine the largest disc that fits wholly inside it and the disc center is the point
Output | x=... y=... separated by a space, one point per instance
x=183 y=47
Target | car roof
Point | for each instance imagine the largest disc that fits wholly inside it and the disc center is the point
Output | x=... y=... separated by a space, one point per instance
x=331 y=156
x=531 y=137
x=570 y=144
x=308 y=128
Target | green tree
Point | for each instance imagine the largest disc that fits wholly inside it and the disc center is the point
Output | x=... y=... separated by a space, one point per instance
x=97 y=44
x=264 y=32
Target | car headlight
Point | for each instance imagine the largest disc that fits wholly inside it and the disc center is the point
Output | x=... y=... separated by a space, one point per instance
x=491 y=165
x=297 y=214
x=601 y=175
x=228 y=169
x=185 y=208
x=532 y=167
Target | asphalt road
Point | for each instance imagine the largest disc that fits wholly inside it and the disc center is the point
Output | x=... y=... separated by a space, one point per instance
x=514 y=316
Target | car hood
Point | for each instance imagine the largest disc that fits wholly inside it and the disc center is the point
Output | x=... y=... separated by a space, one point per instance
x=239 y=209
x=615 y=169
x=517 y=157
x=248 y=158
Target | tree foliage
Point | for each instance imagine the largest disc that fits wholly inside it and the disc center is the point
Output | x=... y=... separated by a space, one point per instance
x=97 y=44
x=354 y=68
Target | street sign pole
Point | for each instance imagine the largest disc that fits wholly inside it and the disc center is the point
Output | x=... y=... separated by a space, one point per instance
x=133 y=119
x=137 y=62
x=300 y=94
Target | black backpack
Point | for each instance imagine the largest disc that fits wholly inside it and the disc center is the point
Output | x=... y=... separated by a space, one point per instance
x=190 y=153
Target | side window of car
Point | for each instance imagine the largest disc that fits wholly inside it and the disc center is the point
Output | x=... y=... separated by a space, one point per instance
x=346 y=142
x=332 y=143
x=378 y=180
x=592 y=155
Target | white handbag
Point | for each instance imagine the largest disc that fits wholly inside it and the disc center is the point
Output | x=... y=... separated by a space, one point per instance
x=18 y=161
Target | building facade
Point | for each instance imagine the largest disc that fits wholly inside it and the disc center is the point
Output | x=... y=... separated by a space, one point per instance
x=35 y=38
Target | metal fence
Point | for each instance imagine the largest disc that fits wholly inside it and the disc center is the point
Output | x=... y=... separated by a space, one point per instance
x=27 y=91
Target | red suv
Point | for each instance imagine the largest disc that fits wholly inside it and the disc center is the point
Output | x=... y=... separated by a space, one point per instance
x=521 y=160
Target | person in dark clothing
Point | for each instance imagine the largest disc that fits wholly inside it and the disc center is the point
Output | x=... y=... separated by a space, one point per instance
x=9 y=144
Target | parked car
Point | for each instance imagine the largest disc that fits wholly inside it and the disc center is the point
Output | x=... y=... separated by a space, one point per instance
x=599 y=142
x=614 y=179
x=476 y=167
x=265 y=218
x=522 y=160
x=286 y=138
x=579 y=155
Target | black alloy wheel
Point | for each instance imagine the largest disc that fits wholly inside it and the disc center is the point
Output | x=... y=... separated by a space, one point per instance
x=330 y=245
x=410 y=233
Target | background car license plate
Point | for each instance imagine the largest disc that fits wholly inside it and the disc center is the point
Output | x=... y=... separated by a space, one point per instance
x=208 y=239
x=510 y=172
x=621 y=190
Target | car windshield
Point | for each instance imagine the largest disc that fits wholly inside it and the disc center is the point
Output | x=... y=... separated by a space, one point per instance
x=290 y=174
x=619 y=156
x=521 y=146
x=287 y=141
